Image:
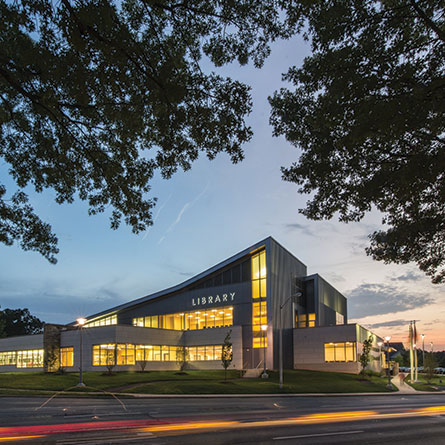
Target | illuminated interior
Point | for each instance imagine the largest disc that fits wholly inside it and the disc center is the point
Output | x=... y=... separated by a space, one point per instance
x=106 y=321
x=340 y=352
x=128 y=354
x=306 y=320
x=204 y=318
x=8 y=358
x=66 y=357
x=32 y=358
x=259 y=309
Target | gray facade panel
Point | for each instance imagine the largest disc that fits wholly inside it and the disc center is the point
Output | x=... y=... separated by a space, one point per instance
x=284 y=270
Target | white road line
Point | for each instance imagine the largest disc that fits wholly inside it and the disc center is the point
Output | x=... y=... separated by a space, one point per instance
x=317 y=435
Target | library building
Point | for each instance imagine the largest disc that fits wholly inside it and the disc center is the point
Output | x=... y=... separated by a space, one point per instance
x=256 y=296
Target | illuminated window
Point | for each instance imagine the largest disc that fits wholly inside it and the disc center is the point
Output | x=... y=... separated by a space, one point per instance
x=259 y=275
x=8 y=358
x=105 y=321
x=66 y=357
x=204 y=353
x=125 y=354
x=259 y=310
x=200 y=319
x=104 y=355
x=305 y=320
x=340 y=352
x=30 y=358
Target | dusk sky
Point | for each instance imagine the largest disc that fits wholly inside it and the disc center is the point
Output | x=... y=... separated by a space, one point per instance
x=207 y=214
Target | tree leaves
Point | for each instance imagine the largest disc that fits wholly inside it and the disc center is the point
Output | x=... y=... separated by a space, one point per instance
x=95 y=97
x=368 y=114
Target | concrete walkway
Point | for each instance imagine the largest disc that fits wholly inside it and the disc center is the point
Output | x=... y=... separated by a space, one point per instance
x=402 y=386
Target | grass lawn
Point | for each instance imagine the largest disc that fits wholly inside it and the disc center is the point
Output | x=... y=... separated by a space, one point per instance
x=437 y=383
x=194 y=382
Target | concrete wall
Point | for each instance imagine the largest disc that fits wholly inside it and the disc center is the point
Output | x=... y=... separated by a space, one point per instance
x=151 y=336
x=23 y=342
x=309 y=348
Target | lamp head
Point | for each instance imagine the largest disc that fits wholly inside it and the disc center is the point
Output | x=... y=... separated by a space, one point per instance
x=81 y=321
x=379 y=344
x=387 y=338
x=264 y=327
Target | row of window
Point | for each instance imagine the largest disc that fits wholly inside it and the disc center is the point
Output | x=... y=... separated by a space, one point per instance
x=128 y=354
x=106 y=321
x=340 y=352
x=200 y=319
x=33 y=358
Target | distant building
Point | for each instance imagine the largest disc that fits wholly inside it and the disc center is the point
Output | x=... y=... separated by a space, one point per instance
x=242 y=294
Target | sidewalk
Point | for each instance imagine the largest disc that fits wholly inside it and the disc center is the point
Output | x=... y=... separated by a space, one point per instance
x=403 y=387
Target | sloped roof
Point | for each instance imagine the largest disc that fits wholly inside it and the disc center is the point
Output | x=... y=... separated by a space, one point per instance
x=184 y=284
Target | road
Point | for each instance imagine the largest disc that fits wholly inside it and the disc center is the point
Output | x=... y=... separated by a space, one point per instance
x=413 y=419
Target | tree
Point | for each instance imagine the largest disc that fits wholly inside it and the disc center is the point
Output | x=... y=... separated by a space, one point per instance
x=429 y=366
x=96 y=97
x=182 y=357
x=365 y=355
x=368 y=114
x=227 y=353
x=19 y=322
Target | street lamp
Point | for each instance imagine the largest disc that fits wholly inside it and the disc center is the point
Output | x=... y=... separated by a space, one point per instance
x=80 y=322
x=298 y=294
x=423 y=351
x=379 y=344
x=264 y=329
x=387 y=339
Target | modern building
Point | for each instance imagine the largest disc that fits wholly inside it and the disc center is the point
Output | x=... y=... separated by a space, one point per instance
x=251 y=296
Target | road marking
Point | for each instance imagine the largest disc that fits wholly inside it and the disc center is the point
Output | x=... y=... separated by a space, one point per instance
x=317 y=435
x=111 y=439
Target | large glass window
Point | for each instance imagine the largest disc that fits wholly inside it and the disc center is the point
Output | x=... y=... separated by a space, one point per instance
x=8 y=358
x=66 y=357
x=30 y=359
x=259 y=275
x=125 y=354
x=259 y=309
x=340 y=352
x=200 y=319
x=104 y=355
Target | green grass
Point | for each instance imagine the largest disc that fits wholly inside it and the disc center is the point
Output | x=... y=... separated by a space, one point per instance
x=194 y=382
x=422 y=385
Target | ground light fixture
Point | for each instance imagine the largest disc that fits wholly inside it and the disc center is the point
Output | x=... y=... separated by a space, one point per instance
x=264 y=329
x=387 y=339
x=80 y=322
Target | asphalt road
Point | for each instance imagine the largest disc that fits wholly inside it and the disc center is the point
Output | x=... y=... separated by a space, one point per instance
x=413 y=419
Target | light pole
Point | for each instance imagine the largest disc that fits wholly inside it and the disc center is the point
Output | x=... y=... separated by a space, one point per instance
x=80 y=322
x=264 y=329
x=379 y=344
x=387 y=339
x=298 y=294
x=423 y=351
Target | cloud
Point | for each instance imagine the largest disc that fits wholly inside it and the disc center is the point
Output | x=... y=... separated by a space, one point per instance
x=300 y=227
x=181 y=213
x=409 y=276
x=378 y=299
x=388 y=324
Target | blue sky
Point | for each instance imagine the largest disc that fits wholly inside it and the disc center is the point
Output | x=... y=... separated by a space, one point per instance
x=205 y=215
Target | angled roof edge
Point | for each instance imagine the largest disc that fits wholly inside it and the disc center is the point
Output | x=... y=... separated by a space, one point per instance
x=265 y=242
